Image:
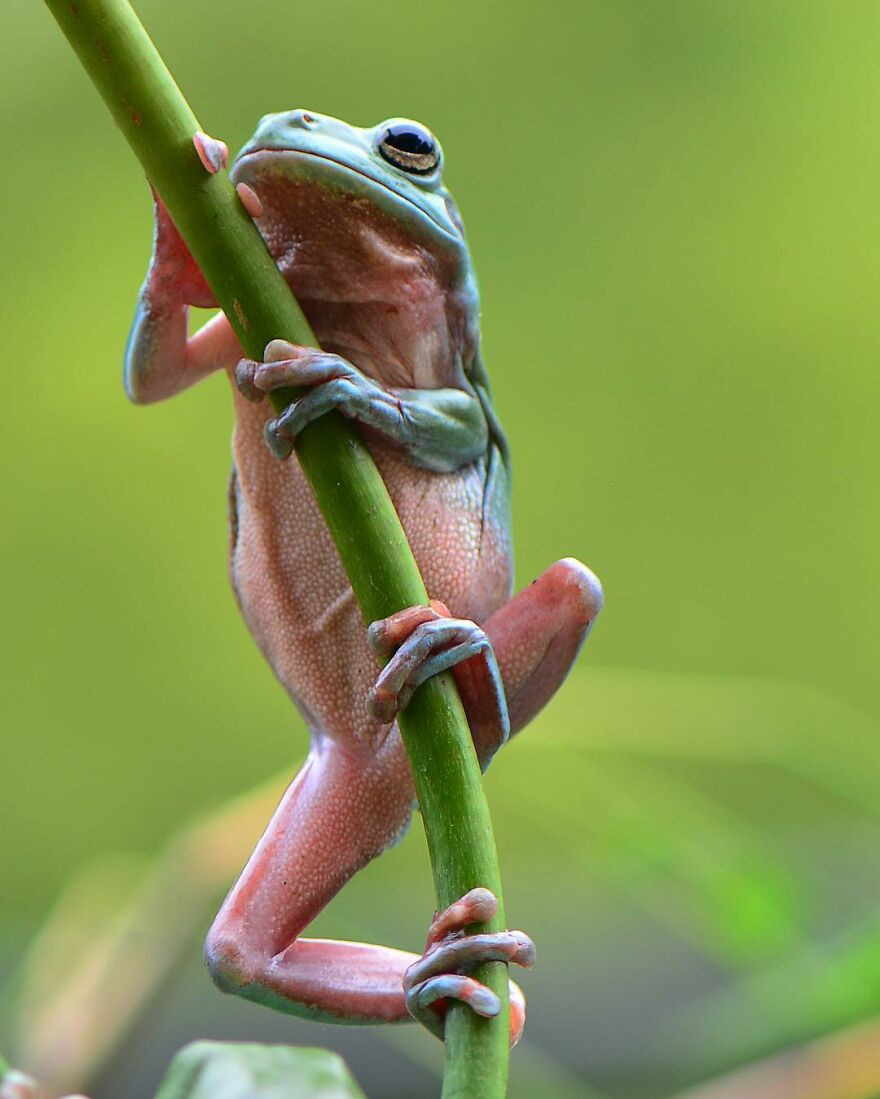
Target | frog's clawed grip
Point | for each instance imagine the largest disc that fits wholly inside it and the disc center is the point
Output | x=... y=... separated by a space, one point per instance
x=442 y=973
x=426 y=641
x=331 y=383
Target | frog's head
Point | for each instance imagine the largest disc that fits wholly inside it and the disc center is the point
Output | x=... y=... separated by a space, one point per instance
x=360 y=217
x=397 y=165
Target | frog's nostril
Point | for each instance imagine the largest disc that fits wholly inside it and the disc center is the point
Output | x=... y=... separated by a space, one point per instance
x=304 y=119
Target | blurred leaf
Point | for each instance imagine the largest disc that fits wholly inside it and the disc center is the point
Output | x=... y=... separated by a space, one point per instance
x=845 y=1065
x=239 y=1070
x=816 y=989
x=116 y=932
x=18 y=1085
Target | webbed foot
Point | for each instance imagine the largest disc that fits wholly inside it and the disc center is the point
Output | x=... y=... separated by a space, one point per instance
x=442 y=973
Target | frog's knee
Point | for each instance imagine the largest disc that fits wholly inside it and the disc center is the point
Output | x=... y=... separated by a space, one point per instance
x=578 y=586
x=230 y=964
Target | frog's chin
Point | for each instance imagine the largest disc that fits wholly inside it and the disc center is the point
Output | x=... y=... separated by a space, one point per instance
x=425 y=215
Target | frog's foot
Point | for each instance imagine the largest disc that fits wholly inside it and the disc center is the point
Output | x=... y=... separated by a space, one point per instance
x=330 y=383
x=442 y=973
x=425 y=641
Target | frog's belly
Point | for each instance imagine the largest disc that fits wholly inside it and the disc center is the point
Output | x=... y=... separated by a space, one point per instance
x=296 y=598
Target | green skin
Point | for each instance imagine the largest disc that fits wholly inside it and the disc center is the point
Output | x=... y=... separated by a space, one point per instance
x=371 y=242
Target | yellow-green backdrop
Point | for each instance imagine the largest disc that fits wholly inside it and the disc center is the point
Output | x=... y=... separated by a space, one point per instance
x=673 y=209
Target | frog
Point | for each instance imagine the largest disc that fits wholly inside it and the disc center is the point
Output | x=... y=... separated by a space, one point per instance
x=371 y=242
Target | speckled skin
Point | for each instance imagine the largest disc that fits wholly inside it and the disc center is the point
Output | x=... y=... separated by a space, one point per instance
x=297 y=599
x=379 y=263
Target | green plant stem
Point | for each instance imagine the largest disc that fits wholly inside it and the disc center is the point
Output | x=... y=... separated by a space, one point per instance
x=156 y=120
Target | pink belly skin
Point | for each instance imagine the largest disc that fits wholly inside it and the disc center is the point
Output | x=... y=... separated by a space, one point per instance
x=296 y=598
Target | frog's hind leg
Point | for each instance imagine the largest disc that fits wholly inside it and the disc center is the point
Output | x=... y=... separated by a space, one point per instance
x=538 y=634
x=338 y=814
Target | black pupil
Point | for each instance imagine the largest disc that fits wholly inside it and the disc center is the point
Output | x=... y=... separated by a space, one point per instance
x=408 y=140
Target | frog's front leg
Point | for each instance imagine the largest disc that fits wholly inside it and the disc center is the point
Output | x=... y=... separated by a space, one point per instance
x=159 y=359
x=437 y=429
x=340 y=812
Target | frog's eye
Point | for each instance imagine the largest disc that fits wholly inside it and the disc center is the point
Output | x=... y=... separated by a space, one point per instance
x=410 y=147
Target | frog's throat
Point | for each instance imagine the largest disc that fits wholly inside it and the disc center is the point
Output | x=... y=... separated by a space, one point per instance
x=290 y=156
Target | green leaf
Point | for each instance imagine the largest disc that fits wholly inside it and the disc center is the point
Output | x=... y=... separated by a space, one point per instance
x=245 y=1070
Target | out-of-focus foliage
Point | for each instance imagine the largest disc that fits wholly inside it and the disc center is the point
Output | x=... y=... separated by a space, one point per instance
x=843 y=1065
x=231 y=1070
x=673 y=213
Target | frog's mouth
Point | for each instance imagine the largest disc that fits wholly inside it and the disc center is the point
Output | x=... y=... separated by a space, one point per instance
x=288 y=158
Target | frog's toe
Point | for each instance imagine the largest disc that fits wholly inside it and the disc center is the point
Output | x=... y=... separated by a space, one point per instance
x=476 y=906
x=245 y=370
x=286 y=366
x=280 y=445
x=466 y=952
x=213 y=153
x=249 y=199
x=426 y=1001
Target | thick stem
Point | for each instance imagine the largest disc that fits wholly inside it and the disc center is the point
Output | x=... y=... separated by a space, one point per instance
x=157 y=122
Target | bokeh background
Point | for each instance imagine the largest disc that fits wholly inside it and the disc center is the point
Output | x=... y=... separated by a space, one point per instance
x=673 y=211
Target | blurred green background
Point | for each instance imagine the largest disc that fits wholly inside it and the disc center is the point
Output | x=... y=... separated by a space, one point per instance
x=673 y=212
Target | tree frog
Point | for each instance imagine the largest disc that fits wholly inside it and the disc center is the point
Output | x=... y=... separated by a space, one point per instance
x=372 y=244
